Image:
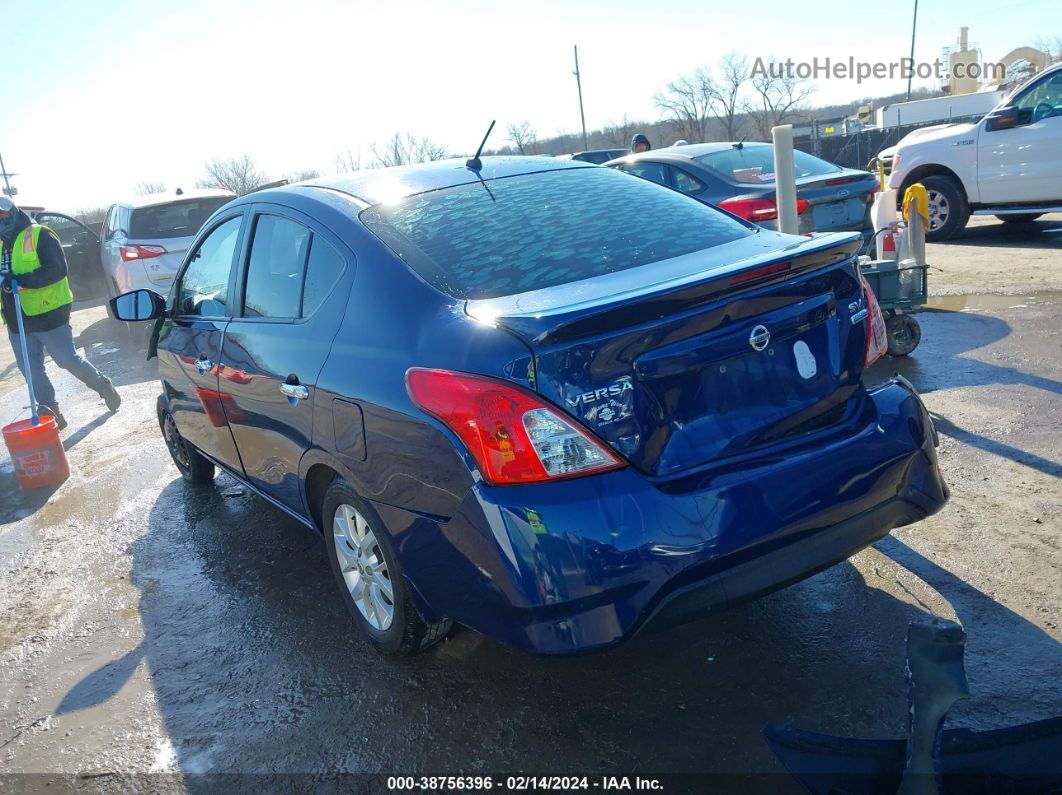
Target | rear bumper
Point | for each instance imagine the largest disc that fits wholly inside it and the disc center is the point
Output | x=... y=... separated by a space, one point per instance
x=580 y=565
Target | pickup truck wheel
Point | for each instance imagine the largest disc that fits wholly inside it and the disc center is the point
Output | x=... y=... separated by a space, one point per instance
x=948 y=208
x=370 y=578
x=1019 y=218
x=194 y=467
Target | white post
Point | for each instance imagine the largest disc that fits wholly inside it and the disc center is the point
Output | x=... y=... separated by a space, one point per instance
x=785 y=179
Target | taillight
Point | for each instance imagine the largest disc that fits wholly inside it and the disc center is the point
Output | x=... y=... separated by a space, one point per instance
x=758 y=209
x=872 y=192
x=877 y=341
x=513 y=436
x=132 y=252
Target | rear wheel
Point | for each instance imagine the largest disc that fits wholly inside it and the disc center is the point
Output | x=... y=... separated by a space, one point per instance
x=193 y=465
x=903 y=334
x=948 y=208
x=1019 y=218
x=370 y=578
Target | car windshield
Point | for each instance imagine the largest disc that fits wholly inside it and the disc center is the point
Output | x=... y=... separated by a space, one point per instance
x=529 y=232
x=754 y=165
x=173 y=219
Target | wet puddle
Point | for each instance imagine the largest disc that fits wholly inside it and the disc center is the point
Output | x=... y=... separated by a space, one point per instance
x=989 y=302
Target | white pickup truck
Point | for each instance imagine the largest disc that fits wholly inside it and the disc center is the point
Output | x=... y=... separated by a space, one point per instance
x=1009 y=164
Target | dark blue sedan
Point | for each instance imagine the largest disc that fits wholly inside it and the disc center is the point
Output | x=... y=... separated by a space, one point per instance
x=739 y=177
x=544 y=400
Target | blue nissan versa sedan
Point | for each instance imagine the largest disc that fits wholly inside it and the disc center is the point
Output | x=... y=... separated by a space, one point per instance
x=542 y=399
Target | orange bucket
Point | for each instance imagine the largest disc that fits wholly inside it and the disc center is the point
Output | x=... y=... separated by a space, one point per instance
x=37 y=452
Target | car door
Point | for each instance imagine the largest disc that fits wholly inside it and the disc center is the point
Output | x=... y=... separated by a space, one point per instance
x=190 y=340
x=81 y=247
x=1023 y=163
x=277 y=344
x=115 y=229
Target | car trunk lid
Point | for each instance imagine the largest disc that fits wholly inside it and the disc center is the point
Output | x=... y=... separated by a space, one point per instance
x=751 y=344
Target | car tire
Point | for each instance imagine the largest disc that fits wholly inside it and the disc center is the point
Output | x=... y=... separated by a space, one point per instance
x=366 y=569
x=948 y=209
x=903 y=334
x=194 y=467
x=1019 y=218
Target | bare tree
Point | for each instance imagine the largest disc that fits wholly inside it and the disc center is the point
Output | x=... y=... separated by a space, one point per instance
x=399 y=151
x=618 y=133
x=147 y=188
x=238 y=174
x=687 y=102
x=91 y=215
x=777 y=98
x=303 y=174
x=734 y=67
x=348 y=161
x=522 y=136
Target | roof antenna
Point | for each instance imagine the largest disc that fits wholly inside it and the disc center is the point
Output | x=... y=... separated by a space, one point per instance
x=740 y=144
x=180 y=192
x=475 y=163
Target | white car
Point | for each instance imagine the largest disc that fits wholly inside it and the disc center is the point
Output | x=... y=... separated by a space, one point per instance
x=1009 y=164
x=143 y=241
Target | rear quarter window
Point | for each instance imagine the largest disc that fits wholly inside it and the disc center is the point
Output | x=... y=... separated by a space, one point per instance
x=529 y=232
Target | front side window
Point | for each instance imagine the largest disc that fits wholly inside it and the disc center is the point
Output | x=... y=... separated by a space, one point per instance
x=1041 y=101
x=274 y=273
x=205 y=284
x=654 y=172
x=532 y=231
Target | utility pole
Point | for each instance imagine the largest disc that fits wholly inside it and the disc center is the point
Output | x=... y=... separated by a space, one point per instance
x=579 y=84
x=914 y=26
x=8 y=190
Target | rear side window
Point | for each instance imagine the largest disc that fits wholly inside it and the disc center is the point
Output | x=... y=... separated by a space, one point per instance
x=274 y=273
x=174 y=219
x=512 y=235
x=754 y=165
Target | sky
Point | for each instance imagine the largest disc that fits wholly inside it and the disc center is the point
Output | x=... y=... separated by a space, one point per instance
x=113 y=93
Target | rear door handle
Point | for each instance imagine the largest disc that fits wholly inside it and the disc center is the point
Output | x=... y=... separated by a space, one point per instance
x=204 y=364
x=297 y=391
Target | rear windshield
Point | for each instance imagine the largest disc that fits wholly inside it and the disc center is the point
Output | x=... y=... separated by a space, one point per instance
x=513 y=235
x=176 y=219
x=754 y=165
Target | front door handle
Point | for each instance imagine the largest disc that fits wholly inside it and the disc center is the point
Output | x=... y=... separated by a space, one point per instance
x=204 y=364
x=297 y=391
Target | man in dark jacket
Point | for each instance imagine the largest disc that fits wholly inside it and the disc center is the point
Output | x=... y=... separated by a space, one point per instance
x=640 y=143
x=32 y=255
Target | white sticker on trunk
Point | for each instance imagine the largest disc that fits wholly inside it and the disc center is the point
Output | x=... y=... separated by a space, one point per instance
x=805 y=359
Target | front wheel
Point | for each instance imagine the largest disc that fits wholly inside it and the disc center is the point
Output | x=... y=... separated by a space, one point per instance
x=194 y=467
x=948 y=208
x=370 y=578
x=1019 y=218
x=903 y=334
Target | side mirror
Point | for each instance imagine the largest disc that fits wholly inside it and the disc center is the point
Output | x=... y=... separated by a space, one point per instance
x=138 y=305
x=1002 y=119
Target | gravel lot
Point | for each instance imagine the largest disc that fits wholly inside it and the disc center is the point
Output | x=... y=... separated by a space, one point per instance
x=149 y=629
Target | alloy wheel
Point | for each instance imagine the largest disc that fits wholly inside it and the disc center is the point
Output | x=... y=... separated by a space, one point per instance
x=363 y=567
x=939 y=210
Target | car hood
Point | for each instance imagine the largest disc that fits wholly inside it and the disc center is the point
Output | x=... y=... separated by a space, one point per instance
x=937 y=132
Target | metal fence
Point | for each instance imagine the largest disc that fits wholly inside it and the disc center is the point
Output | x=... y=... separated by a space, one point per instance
x=856 y=149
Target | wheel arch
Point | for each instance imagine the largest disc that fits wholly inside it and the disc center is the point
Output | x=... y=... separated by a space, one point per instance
x=931 y=170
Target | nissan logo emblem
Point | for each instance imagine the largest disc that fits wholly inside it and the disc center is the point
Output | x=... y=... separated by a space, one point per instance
x=760 y=338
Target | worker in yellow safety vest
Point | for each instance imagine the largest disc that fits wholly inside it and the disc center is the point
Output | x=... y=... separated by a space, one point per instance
x=32 y=255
